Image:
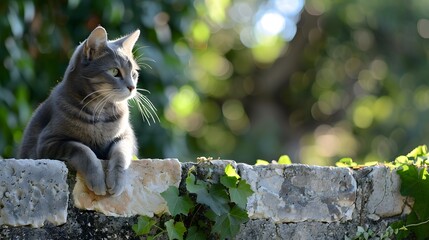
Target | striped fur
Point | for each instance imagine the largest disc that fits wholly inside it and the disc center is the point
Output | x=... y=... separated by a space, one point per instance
x=86 y=116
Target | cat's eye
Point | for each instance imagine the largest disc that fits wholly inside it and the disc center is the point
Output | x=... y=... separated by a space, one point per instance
x=114 y=72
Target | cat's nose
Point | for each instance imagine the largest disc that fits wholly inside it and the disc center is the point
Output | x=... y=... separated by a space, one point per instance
x=131 y=88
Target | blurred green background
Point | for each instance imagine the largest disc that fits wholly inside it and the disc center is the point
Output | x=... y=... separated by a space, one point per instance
x=244 y=80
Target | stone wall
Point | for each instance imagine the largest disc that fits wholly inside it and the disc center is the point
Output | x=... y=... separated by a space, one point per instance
x=40 y=199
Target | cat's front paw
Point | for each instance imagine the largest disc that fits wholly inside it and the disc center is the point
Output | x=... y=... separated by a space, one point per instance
x=95 y=182
x=115 y=180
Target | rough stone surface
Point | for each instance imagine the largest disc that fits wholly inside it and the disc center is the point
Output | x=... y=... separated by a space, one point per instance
x=258 y=229
x=146 y=179
x=268 y=230
x=278 y=187
x=33 y=192
x=297 y=193
x=383 y=196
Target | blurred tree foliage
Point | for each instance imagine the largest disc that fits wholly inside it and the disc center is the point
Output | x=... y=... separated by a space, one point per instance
x=228 y=79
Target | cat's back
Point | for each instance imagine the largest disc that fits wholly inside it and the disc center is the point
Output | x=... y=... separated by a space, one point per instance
x=39 y=121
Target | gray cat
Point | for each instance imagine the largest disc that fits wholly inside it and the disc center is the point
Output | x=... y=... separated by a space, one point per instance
x=85 y=118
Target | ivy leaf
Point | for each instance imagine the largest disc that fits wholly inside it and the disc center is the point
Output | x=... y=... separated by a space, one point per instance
x=240 y=194
x=284 y=159
x=371 y=163
x=219 y=193
x=261 y=162
x=401 y=232
x=195 y=234
x=217 y=201
x=177 y=204
x=402 y=160
x=143 y=225
x=346 y=162
x=227 y=225
x=412 y=180
x=210 y=215
x=229 y=182
x=415 y=183
x=418 y=151
x=175 y=230
x=230 y=171
x=193 y=186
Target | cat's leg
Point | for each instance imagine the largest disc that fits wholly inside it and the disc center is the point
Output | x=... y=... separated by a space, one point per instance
x=120 y=157
x=81 y=158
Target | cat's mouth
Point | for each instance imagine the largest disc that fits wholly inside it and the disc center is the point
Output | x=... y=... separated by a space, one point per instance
x=131 y=93
x=119 y=95
x=126 y=94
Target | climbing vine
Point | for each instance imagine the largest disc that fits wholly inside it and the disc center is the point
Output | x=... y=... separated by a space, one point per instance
x=208 y=207
x=413 y=171
x=415 y=183
x=215 y=208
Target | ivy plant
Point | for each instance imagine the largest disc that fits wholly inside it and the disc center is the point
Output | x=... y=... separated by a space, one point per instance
x=413 y=171
x=205 y=209
x=364 y=233
x=283 y=159
x=415 y=183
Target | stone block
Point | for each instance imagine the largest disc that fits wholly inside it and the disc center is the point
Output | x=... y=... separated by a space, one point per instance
x=146 y=179
x=258 y=229
x=297 y=192
x=33 y=192
x=384 y=198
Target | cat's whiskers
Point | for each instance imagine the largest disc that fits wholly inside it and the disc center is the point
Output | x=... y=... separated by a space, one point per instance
x=97 y=91
x=101 y=104
x=143 y=90
x=140 y=60
x=136 y=49
x=142 y=110
x=95 y=98
x=146 y=108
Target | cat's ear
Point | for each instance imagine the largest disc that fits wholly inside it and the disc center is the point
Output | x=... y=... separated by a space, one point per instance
x=129 y=41
x=96 y=40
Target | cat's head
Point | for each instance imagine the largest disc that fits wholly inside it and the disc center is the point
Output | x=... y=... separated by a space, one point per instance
x=105 y=67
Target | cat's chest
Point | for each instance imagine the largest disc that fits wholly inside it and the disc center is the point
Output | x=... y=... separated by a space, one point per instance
x=100 y=137
x=103 y=133
x=92 y=127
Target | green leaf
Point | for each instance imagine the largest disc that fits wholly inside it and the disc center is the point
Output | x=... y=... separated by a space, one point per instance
x=194 y=186
x=402 y=160
x=261 y=162
x=219 y=193
x=346 y=162
x=418 y=151
x=230 y=171
x=240 y=194
x=177 y=204
x=284 y=159
x=415 y=183
x=229 y=182
x=143 y=225
x=175 y=230
x=371 y=163
x=210 y=196
x=227 y=225
x=210 y=215
x=194 y=233
x=413 y=180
